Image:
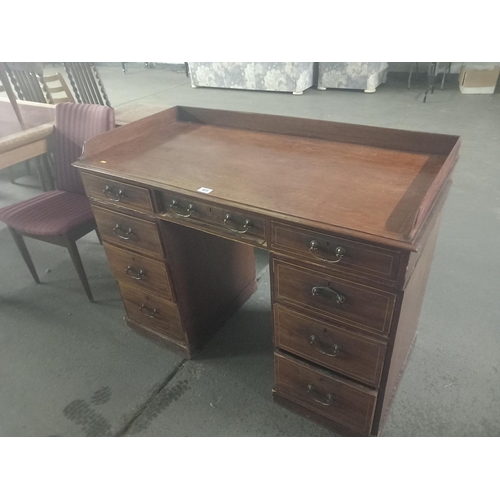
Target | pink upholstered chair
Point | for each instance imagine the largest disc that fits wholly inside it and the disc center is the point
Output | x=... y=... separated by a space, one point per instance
x=62 y=216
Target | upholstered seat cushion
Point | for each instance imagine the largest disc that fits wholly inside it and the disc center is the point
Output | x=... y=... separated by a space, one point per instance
x=49 y=214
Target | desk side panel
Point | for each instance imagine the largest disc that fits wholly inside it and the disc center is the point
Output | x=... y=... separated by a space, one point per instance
x=212 y=277
x=404 y=338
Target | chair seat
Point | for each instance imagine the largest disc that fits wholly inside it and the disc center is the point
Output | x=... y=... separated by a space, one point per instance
x=50 y=214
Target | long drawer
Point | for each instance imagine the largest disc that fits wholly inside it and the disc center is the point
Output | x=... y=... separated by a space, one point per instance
x=153 y=311
x=129 y=232
x=229 y=223
x=363 y=307
x=357 y=356
x=139 y=271
x=345 y=402
x=334 y=252
x=117 y=192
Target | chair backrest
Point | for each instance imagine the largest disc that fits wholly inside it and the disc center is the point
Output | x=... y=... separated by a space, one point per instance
x=74 y=124
x=86 y=83
x=27 y=80
x=59 y=92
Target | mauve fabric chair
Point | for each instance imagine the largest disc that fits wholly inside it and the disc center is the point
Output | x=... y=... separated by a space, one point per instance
x=64 y=215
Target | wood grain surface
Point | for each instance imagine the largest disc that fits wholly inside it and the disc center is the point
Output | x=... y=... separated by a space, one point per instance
x=344 y=181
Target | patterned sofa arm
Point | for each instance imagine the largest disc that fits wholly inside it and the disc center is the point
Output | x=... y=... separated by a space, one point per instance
x=292 y=77
x=365 y=76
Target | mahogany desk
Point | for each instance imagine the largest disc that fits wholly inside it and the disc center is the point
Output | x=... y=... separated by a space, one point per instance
x=348 y=213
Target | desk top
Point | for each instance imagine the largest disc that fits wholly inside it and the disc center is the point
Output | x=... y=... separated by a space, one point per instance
x=377 y=184
x=39 y=123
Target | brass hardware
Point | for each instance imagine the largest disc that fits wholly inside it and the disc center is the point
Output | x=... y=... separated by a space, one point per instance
x=110 y=194
x=339 y=253
x=190 y=209
x=151 y=313
x=121 y=233
x=136 y=275
x=247 y=225
x=317 y=345
x=328 y=293
x=316 y=396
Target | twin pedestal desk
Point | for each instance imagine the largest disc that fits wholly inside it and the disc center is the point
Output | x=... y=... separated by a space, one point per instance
x=349 y=215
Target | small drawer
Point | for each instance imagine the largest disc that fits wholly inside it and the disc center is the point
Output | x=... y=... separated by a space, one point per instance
x=345 y=402
x=367 y=308
x=152 y=311
x=356 y=356
x=128 y=232
x=139 y=271
x=215 y=218
x=334 y=252
x=117 y=193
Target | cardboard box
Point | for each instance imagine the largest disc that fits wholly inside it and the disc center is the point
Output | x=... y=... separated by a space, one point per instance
x=478 y=81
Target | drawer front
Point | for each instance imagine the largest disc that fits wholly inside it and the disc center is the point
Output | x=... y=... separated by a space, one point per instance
x=214 y=218
x=345 y=301
x=117 y=193
x=353 y=355
x=152 y=311
x=139 y=271
x=128 y=232
x=344 y=402
x=334 y=252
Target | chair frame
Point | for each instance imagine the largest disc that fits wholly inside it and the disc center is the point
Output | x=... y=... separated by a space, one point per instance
x=68 y=241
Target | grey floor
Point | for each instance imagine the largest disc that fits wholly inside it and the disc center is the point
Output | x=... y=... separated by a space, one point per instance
x=71 y=368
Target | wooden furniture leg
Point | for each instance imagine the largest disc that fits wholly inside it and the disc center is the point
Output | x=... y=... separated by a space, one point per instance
x=21 y=245
x=77 y=262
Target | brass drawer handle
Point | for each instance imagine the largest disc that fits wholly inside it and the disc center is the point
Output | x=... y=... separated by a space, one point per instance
x=174 y=206
x=110 y=194
x=317 y=345
x=339 y=253
x=150 y=313
x=122 y=233
x=328 y=293
x=246 y=226
x=325 y=400
x=136 y=275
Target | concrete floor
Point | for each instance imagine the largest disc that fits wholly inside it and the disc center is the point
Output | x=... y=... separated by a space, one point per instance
x=71 y=368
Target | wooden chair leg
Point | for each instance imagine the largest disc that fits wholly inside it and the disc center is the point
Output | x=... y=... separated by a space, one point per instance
x=21 y=245
x=77 y=262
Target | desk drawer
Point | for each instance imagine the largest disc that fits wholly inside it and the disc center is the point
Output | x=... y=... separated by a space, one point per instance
x=117 y=193
x=351 y=303
x=334 y=252
x=150 y=310
x=345 y=402
x=243 y=226
x=353 y=355
x=139 y=271
x=128 y=232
